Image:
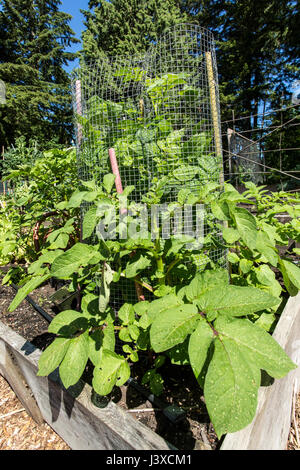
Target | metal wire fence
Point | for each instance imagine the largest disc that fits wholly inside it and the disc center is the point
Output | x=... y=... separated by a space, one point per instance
x=158 y=113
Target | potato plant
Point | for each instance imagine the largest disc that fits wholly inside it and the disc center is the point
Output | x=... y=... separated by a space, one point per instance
x=30 y=216
x=203 y=318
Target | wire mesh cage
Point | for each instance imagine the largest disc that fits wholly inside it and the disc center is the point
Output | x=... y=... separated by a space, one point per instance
x=245 y=159
x=159 y=113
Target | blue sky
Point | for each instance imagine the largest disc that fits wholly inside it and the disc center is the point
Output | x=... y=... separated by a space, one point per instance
x=73 y=8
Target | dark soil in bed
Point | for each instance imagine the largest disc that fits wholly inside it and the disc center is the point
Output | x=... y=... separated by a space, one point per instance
x=194 y=431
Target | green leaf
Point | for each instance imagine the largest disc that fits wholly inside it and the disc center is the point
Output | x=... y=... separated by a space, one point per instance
x=245 y=265
x=98 y=341
x=233 y=257
x=26 y=289
x=156 y=384
x=106 y=280
x=141 y=307
x=76 y=198
x=138 y=264
x=230 y=235
x=230 y=388
x=293 y=272
x=205 y=281
x=113 y=370
x=235 y=300
x=259 y=346
x=246 y=226
x=157 y=306
x=52 y=356
x=69 y=262
x=185 y=172
x=266 y=248
x=199 y=346
x=74 y=361
x=290 y=287
x=89 y=222
x=126 y=314
x=220 y=210
x=172 y=326
x=267 y=278
x=68 y=322
x=108 y=182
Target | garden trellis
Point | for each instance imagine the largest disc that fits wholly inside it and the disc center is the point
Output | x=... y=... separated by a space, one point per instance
x=158 y=114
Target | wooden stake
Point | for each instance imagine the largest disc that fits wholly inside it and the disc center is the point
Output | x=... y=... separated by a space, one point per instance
x=119 y=188
x=78 y=109
x=214 y=110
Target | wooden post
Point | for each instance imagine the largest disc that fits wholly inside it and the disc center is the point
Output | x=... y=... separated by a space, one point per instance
x=78 y=109
x=214 y=111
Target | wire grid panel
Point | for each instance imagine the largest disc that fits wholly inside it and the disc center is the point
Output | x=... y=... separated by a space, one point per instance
x=159 y=112
x=245 y=157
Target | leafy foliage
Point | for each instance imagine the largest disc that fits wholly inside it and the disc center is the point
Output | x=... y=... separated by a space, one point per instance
x=41 y=191
x=205 y=319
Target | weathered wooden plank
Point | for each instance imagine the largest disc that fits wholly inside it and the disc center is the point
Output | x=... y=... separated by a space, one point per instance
x=13 y=375
x=71 y=414
x=270 y=428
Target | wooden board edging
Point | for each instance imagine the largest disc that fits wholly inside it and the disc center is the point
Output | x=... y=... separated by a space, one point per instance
x=71 y=413
x=270 y=427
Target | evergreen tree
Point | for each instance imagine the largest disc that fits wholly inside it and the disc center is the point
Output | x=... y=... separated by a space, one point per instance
x=34 y=36
x=122 y=27
x=256 y=49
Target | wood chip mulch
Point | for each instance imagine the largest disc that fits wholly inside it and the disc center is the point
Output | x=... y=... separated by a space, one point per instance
x=18 y=431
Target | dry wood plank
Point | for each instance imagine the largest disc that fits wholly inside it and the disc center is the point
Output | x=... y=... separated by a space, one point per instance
x=11 y=372
x=71 y=413
x=270 y=428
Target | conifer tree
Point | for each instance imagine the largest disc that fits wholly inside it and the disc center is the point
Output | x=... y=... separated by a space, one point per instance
x=34 y=35
x=122 y=27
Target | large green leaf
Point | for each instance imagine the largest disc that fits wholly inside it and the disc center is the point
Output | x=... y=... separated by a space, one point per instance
x=89 y=222
x=199 y=346
x=53 y=355
x=172 y=326
x=136 y=265
x=230 y=235
x=126 y=314
x=70 y=261
x=265 y=246
x=235 y=300
x=32 y=284
x=108 y=182
x=157 y=306
x=267 y=278
x=98 y=341
x=67 y=323
x=113 y=370
x=291 y=276
x=230 y=388
x=259 y=346
x=205 y=281
x=74 y=361
x=246 y=226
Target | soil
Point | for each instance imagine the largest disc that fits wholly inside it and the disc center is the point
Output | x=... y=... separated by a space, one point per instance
x=194 y=431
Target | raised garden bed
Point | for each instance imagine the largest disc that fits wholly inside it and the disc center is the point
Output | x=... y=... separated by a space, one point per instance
x=127 y=420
